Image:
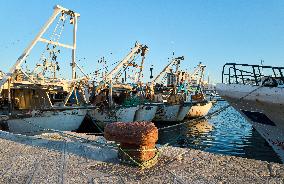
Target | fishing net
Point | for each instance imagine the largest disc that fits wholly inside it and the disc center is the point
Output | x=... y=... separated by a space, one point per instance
x=134 y=101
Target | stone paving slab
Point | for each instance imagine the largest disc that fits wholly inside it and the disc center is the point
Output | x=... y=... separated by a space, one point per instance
x=53 y=158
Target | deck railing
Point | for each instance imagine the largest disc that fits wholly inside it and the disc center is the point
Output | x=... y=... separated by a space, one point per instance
x=234 y=73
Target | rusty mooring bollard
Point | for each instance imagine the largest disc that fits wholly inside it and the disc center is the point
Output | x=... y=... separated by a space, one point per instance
x=137 y=142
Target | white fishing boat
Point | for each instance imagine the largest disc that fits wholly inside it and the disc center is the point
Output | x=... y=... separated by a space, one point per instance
x=29 y=100
x=106 y=112
x=200 y=106
x=174 y=108
x=41 y=121
x=257 y=92
x=33 y=109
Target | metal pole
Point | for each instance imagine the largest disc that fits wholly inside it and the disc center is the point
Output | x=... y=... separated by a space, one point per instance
x=54 y=73
x=242 y=77
x=236 y=77
x=141 y=69
x=255 y=78
x=69 y=94
x=74 y=48
x=223 y=73
x=75 y=95
x=229 y=75
x=9 y=97
x=110 y=92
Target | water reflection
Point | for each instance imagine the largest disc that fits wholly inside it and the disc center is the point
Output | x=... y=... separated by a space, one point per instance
x=202 y=127
x=227 y=133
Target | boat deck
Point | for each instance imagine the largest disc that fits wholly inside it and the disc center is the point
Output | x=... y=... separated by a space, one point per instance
x=56 y=159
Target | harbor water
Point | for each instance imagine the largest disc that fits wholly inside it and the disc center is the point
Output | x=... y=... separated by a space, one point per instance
x=226 y=133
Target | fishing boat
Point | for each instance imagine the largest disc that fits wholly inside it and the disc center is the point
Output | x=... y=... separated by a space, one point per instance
x=173 y=108
x=257 y=92
x=32 y=102
x=200 y=106
x=112 y=108
x=199 y=109
x=115 y=99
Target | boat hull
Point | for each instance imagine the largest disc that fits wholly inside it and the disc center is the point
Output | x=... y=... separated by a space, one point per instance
x=63 y=120
x=120 y=114
x=146 y=112
x=199 y=110
x=167 y=112
x=183 y=110
x=263 y=108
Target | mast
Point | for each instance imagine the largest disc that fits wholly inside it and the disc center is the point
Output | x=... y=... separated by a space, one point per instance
x=110 y=93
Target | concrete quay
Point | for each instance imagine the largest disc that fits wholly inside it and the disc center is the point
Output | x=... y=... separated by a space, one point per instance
x=52 y=158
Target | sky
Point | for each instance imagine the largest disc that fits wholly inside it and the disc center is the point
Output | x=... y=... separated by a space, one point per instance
x=207 y=31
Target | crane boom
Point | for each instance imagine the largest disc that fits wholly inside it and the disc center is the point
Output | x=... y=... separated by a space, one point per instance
x=137 y=49
x=144 y=51
x=174 y=60
x=57 y=10
x=124 y=61
x=197 y=69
